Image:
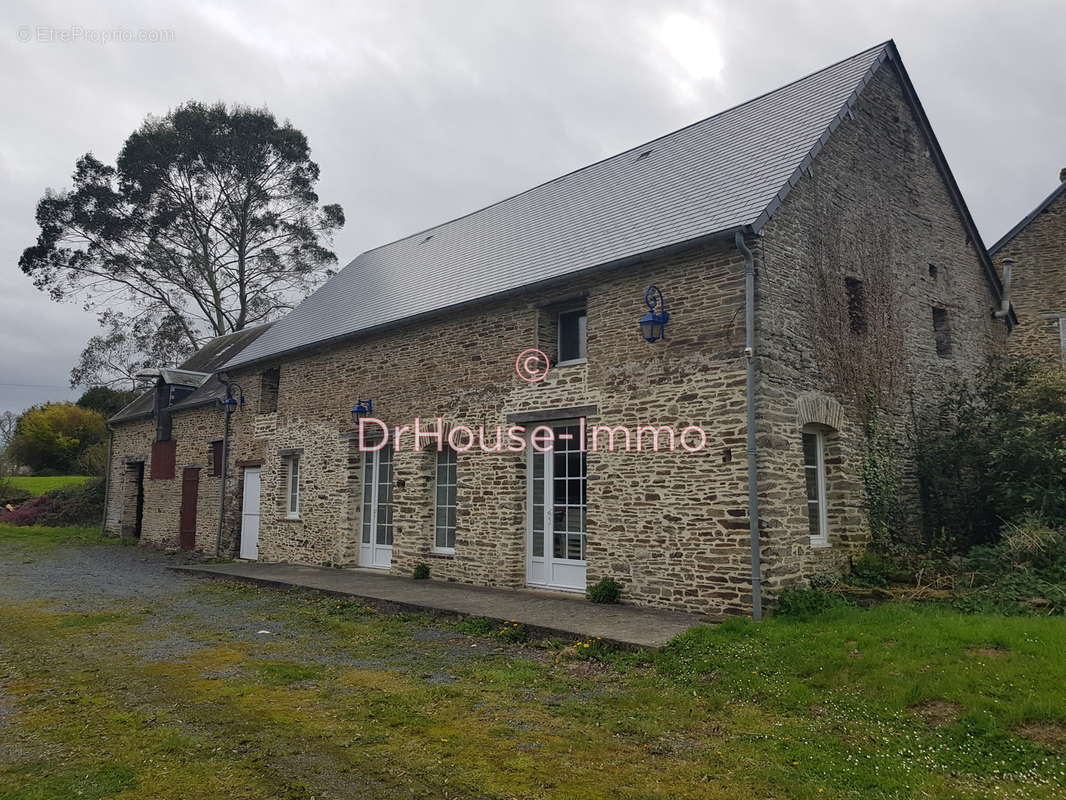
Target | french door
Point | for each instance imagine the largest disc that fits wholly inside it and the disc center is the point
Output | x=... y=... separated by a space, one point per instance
x=249 y=547
x=375 y=547
x=557 y=507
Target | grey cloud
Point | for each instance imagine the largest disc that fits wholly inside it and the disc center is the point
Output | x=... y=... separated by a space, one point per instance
x=421 y=111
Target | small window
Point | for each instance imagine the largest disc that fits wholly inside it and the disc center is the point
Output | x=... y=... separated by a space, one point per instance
x=572 y=327
x=856 y=304
x=942 y=332
x=444 y=527
x=933 y=271
x=814 y=475
x=269 y=382
x=292 y=487
x=216 y=458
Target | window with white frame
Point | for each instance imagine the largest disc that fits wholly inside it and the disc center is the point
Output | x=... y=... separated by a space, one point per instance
x=572 y=325
x=292 y=487
x=444 y=527
x=814 y=474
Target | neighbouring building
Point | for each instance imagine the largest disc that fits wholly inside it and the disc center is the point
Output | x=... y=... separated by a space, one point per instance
x=1035 y=251
x=833 y=186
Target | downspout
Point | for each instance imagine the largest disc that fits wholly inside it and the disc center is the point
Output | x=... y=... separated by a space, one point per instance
x=227 y=410
x=752 y=450
x=107 y=479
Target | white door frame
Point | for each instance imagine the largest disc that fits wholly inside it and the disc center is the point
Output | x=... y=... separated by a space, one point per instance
x=374 y=552
x=251 y=510
x=548 y=571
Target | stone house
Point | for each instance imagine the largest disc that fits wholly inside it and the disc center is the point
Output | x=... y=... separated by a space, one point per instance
x=718 y=225
x=1034 y=251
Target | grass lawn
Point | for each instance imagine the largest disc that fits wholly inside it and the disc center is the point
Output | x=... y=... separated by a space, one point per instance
x=35 y=485
x=337 y=701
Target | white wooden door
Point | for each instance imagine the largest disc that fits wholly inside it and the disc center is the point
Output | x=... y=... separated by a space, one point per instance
x=556 y=513
x=375 y=547
x=250 y=514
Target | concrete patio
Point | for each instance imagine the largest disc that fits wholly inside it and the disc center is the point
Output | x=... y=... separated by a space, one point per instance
x=551 y=614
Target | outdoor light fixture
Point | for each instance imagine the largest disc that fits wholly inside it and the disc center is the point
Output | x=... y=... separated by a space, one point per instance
x=234 y=397
x=362 y=407
x=653 y=324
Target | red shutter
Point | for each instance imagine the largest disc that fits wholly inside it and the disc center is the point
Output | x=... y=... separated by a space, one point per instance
x=163 y=455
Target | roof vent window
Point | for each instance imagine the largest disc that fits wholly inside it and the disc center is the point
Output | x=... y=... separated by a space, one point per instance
x=644 y=155
x=426 y=239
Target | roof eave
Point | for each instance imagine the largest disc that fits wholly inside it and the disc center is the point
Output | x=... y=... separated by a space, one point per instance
x=636 y=258
x=949 y=179
x=1027 y=219
x=891 y=54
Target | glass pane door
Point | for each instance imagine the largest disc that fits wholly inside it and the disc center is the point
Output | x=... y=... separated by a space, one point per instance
x=557 y=511
x=376 y=535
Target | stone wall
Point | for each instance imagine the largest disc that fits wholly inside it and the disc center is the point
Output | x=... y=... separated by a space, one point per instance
x=193 y=431
x=876 y=169
x=1038 y=284
x=670 y=526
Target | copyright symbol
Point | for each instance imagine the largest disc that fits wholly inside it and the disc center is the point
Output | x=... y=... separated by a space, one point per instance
x=24 y=33
x=532 y=365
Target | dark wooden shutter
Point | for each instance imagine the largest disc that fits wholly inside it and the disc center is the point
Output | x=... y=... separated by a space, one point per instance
x=190 y=493
x=163 y=454
x=216 y=459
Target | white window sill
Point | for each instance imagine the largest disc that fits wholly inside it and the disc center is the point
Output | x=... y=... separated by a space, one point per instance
x=443 y=551
x=292 y=517
x=820 y=543
x=573 y=362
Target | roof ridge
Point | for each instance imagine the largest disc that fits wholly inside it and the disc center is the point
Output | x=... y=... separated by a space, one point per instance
x=1024 y=222
x=722 y=173
x=782 y=87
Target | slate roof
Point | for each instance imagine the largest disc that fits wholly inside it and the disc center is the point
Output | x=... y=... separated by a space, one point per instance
x=1024 y=223
x=725 y=173
x=209 y=358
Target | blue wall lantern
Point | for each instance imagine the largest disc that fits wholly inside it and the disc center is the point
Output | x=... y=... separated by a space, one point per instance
x=361 y=408
x=234 y=396
x=653 y=324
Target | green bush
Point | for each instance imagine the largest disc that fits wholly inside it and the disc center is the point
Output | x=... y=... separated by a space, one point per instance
x=607 y=590
x=74 y=504
x=808 y=603
x=992 y=452
x=10 y=494
x=421 y=572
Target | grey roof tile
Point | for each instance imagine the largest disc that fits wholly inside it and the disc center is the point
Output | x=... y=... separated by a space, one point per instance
x=713 y=176
x=209 y=358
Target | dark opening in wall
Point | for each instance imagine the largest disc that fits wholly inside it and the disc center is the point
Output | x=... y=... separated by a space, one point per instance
x=268 y=390
x=942 y=331
x=572 y=334
x=216 y=458
x=933 y=271
x=561 y=331
x=856 y=304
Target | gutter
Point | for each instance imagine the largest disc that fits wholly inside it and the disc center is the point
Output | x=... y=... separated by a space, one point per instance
x=752 y=445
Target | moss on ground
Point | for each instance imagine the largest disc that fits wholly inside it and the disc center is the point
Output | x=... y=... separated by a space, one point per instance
x=345 y=702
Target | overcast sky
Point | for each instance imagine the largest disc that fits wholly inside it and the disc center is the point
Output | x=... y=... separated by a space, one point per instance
x=420 y=111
